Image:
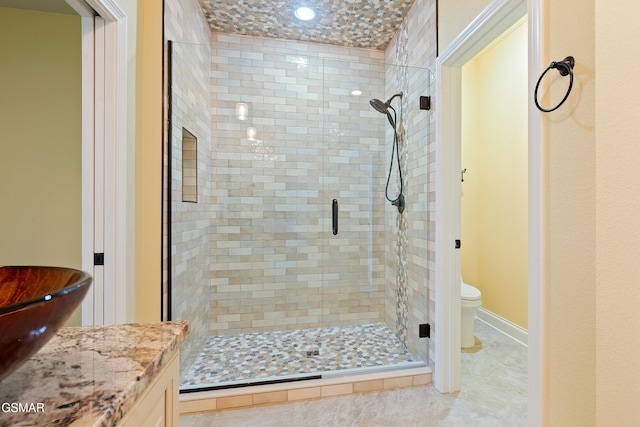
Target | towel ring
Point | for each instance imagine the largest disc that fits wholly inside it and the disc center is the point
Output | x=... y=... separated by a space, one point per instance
x=564 y=67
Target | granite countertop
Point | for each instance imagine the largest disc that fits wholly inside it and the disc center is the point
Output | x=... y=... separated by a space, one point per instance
x=89 y=376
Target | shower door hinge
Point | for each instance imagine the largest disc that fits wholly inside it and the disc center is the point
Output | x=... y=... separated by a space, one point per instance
x=425 y=103
x=424 y=330
x=98 y=259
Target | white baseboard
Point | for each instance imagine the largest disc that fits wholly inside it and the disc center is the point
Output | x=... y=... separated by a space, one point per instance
x=511 y=330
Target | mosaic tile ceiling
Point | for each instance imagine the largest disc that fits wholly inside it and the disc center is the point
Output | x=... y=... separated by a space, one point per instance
x=355 y=23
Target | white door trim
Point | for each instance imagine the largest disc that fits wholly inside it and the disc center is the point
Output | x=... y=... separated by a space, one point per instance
x=490 y=23
x=104 y=110
x=536 y=357
x=116 y=159
x=88 y=153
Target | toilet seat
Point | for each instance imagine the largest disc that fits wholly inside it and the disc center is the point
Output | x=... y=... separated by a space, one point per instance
x=469 y=293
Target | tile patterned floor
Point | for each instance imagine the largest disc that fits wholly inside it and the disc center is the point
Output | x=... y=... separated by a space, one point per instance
x=276 y=355
x=493 y=393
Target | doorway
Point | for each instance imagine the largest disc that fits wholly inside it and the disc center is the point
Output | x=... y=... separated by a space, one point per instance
x=494 y=215
x=41 y=121
x=100 y=156
x=494 y=180
x=493 y=21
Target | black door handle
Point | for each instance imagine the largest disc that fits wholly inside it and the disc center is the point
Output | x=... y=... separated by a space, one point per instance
x=334 y=216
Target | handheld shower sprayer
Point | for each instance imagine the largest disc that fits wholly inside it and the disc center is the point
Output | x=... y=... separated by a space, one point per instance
x=384 y=107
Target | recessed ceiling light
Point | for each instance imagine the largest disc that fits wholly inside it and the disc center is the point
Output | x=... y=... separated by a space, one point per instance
x=304 y=13
x=356 y=92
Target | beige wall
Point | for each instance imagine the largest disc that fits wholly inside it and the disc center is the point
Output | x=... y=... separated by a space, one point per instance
x=494 y=192
x=617 y=223
x=40 y=160
x=570 y=140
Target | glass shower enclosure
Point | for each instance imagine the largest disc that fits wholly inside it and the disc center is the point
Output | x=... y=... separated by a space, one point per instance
x=284 y=254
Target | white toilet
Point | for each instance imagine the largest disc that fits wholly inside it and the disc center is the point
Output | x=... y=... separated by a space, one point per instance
x=470 y=300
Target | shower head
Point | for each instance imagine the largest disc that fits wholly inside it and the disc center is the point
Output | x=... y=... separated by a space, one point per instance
x=383 y=107
x=379 y=106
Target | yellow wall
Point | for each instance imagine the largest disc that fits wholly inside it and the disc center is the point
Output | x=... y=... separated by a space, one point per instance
x=454 y=16
x=144 y=168
x=148 y=165
x=40 y=147
x=470 y=119
x=494 y=193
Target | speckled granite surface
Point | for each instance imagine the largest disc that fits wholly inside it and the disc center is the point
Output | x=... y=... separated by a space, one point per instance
x=88 y=376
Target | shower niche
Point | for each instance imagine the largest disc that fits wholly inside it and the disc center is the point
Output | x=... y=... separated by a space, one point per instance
x=189 y=167
x=273 y=289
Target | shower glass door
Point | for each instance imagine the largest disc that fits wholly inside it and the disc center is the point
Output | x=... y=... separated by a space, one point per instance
x=375 y=273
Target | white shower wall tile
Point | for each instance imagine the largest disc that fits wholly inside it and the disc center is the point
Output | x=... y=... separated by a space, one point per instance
x=190 y=222
x=414 y=46
x=277 y=267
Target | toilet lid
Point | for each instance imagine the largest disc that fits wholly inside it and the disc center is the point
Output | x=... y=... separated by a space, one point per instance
x=469 y=293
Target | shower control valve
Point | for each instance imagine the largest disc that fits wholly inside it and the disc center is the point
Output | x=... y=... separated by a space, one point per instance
x=399 y=202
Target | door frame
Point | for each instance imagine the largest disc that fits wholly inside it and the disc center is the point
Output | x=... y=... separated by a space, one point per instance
x=104 y=158
x=490 y=23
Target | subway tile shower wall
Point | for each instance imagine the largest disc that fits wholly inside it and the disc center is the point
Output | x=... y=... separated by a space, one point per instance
x=306 y=140
x=190 y=226
x=190 y=222
x=414 y=46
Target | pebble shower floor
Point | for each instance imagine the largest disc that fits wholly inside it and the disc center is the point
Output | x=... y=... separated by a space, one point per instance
x=268 y=356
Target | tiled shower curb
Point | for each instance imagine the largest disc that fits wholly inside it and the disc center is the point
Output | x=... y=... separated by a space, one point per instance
x=261 y=395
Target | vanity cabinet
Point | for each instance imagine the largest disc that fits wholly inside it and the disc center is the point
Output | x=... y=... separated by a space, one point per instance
x=158 y=406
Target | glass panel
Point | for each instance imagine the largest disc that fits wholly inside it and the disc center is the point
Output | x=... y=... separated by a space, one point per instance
x=375 y=277
x=270 y=290
x=190 y=223
x=266 y=204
